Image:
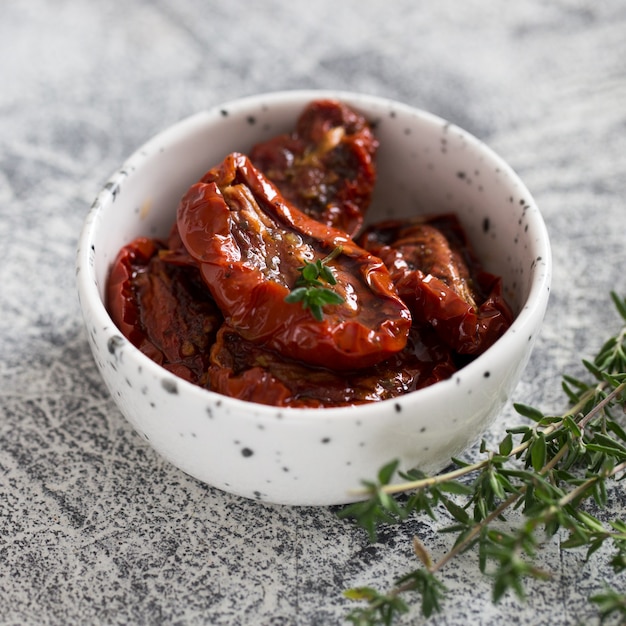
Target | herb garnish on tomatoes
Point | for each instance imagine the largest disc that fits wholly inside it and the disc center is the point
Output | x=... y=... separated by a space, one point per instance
x=310 y=289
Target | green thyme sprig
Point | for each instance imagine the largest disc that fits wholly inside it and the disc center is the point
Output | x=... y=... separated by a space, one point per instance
x=547 y=468
x=310 y=289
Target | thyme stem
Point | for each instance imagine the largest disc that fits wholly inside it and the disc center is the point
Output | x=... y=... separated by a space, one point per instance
x=560 y=462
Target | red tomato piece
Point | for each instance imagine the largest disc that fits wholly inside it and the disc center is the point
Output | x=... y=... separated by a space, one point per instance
x=325 y=166
x=165 y=310
x=246 y=370
x=438 y=276
x=250 y=243
x=121 y=300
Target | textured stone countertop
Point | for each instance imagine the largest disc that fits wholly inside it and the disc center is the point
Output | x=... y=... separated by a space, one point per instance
x=95 y=528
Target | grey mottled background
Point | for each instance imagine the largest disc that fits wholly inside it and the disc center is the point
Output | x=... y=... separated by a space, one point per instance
x=94 y=528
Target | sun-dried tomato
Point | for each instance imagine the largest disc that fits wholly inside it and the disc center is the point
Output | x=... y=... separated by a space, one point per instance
x=249 y=244
x=325 y=166
x=438 y=276
x=165 y=310
x=245 y=370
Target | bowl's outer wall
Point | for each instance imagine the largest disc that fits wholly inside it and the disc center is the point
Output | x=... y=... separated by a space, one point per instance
x=318 y=456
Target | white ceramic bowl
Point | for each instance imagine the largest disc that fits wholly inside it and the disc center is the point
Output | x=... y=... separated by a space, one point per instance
x=318 y=456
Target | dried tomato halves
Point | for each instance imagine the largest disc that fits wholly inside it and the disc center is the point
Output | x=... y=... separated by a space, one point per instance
x=164 y=309
x=438 y=276
x=243 y=370
x=250 y=243
x=325 y=166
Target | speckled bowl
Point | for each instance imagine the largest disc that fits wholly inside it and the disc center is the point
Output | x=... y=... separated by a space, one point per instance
x=318 y=456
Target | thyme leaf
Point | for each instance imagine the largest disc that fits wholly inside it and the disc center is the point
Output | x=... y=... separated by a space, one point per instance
x=547 y=468
x=310 y=288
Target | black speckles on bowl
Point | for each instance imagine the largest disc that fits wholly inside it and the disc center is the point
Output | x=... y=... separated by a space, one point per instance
x=115 y=343
x=170 y=385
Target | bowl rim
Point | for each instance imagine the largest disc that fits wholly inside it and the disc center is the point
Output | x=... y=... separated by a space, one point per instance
x=532 y=307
